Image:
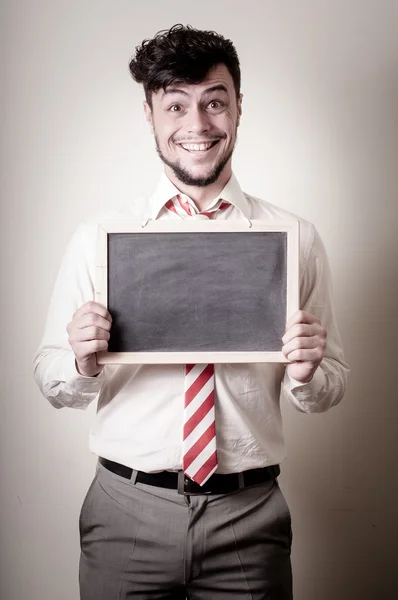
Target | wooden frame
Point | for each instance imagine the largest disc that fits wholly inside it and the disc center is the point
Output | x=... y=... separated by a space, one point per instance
x=192 y=225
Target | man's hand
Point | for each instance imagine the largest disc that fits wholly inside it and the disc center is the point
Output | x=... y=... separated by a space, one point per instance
x=89 y=333
x=304 y=345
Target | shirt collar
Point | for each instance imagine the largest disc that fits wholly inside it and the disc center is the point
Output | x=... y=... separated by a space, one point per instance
x=166 y=190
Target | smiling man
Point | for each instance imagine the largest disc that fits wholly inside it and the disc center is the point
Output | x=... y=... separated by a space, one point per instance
x=178 y=509
x=198 y=155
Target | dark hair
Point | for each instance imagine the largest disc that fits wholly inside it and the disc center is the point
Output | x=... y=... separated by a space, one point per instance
x=182 y=54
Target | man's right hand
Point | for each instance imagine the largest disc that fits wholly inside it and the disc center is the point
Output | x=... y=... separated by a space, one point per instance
x=88 y=334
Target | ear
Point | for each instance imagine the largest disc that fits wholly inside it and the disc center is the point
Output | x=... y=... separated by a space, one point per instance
x=240 y=107
x=148 y=115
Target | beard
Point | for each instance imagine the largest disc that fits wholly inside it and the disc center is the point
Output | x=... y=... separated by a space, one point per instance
x=187 y=178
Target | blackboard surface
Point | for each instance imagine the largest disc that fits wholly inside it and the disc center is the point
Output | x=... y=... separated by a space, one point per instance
x=222 y=291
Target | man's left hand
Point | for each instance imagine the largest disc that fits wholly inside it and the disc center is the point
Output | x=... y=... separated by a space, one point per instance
x=304 y=345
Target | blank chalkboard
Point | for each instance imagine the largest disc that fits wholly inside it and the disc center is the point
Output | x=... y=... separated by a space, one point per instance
x=202 y=293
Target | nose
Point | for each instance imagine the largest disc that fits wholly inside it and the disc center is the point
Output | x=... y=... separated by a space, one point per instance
x=198 y=121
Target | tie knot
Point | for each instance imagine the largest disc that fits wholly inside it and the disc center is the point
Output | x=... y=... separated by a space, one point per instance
x=184 y=206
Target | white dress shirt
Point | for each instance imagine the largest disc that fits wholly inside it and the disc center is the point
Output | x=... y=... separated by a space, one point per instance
x=139 y=417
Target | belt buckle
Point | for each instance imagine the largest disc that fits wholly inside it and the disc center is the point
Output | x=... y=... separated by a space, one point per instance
x=187 y=487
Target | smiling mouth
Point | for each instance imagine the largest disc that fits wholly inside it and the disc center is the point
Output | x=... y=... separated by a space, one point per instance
x=200 y=147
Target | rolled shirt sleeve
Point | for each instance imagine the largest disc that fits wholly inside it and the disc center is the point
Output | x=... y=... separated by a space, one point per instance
x=54 y=364
x=329 y=382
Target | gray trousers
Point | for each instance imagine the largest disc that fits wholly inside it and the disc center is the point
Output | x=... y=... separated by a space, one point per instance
x=144 y=542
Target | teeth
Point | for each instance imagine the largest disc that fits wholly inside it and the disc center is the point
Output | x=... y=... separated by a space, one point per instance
x=197 y=147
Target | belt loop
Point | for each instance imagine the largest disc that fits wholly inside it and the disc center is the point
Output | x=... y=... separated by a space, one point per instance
x=241 y=480
x=133 y=477
x=181 y=482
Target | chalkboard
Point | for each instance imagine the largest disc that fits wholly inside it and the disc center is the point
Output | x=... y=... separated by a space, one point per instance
x=207 y=292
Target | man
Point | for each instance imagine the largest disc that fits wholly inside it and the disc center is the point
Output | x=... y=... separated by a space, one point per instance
x=229 y=536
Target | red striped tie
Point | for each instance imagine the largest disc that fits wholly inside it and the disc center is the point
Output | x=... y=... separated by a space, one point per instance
x=199 y=445
x=199 y=437
x=182 y=207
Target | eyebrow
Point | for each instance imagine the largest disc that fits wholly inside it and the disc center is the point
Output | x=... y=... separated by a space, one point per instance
x=214 y=88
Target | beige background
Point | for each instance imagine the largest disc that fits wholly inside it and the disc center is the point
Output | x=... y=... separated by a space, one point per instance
x=319 y=136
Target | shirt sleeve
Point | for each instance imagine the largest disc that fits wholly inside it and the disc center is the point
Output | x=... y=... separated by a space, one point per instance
x=54 y=364
x=328 y=385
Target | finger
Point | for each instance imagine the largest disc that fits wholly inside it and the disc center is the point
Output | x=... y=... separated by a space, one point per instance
x=87 y=320
x=298 y=343
x=91 y=320
x=313 y=355
x=93 y=307
x=89 y=333
x=302 y=317
x=302 y=330
x=84 y=350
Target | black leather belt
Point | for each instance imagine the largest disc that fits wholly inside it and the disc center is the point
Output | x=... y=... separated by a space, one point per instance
x=216 y=484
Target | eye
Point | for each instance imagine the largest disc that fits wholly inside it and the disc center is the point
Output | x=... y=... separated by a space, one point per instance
x=175 y=108
x=216 y=104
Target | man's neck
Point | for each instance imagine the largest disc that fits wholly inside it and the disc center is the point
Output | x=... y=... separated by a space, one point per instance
x=202 y=196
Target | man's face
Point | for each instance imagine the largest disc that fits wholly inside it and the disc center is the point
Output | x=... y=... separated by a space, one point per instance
x=195 y=126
